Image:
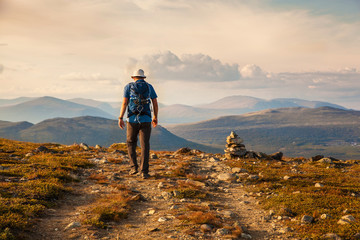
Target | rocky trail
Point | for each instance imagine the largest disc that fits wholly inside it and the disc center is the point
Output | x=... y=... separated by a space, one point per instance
x=159 y=204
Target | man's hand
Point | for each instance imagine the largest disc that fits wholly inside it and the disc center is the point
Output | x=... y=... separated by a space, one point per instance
x=121 y=123
x=154 y=122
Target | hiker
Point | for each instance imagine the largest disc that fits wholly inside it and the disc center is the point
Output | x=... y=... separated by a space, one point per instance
x=138 y=96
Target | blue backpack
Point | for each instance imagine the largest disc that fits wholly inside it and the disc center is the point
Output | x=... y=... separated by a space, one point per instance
x=139 y=102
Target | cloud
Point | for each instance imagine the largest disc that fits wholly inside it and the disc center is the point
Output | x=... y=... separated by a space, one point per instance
x=85 y=77
x=252 y=71
x=188 y=67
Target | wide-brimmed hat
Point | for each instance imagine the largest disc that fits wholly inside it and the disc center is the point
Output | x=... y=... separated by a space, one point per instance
x=139 y=73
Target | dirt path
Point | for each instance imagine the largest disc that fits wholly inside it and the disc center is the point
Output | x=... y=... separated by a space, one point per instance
x=157 y=215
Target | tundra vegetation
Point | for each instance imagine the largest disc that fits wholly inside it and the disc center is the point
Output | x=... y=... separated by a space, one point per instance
x=34 y=177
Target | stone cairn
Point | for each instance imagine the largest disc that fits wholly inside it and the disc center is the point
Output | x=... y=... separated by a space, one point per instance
x=234 y=146
x=236 y=149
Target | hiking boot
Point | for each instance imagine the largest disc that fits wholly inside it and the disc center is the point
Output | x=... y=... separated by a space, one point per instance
x=145 y=175
x=133 y=172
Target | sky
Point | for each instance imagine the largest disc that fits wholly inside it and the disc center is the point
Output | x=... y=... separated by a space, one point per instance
x=192 y=52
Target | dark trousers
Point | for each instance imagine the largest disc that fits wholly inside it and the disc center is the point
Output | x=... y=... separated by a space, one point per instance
x=143 y=130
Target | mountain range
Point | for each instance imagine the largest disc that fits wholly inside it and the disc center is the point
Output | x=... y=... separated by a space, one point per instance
x=90 y=130
x=35 y=110
x=295 y=131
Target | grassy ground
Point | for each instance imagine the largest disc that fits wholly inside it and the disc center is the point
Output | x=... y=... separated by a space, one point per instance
x=339 y=196
x=29 y=183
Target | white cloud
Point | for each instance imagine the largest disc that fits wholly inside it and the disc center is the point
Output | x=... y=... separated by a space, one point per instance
x=188 y=67
x=252 y=71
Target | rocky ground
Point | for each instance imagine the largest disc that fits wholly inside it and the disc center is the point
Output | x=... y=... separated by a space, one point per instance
x=157 y=211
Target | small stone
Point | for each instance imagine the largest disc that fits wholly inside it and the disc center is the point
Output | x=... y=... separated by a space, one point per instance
x=154 y=156
x=226 y=177
x=205 y=228
x=196 y=183
x=286 y=177
x=160 y=185
x=29 y=155
x=246 y=236
x=319 y=185
x=356 y=236
x=214 y=159
x=331 y=236
x=222 y=231
x=176 y=193
x=325 y=160
x=285 y=230
x=152 y=211
x=346 y=220
x=271 y=212
x=325 y=216
x=97 y=146
x=84 y=146
x=229 y=214
x=238 y=170
x=166 y=195
x=307 y=219
x=72 y=225
x=162 y=219
x=253 y=177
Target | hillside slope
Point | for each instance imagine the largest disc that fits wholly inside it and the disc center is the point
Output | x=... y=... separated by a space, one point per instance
x=296 y=131
x=91 y=130
x=48 y=107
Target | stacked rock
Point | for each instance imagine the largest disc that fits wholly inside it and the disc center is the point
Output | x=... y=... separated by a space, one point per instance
x=234 y=147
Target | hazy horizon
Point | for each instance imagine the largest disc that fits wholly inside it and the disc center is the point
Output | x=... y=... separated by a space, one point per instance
x=192 y=52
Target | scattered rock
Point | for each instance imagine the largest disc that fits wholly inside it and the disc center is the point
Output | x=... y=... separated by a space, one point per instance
x=253 y=177
x=239 y=170
x=325 y=160
x=97 y=146
x=72 y=225
x=319 y=185
x=286 y=212
x=214 y=159
x=331 y=236
x=285 y=230
x=306 y=219
x=226 y=177
x=166 y=195
x=160 y=185
x=316 y=158
x=246 y=236
x=206 y=228
x=229 y=214
x=325 y=216
x=162 y=219
x=195 y=183
x=154 y=156
x=356 y=236
x=84 y=146
x=152 y=211
x=287 y=177
x=176 y=193
x=41 y=149
x=183 y=150
x=222 y=231
x=276 y=156
x=347 y=219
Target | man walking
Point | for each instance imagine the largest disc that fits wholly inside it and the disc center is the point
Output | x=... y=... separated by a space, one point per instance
x=138 y=96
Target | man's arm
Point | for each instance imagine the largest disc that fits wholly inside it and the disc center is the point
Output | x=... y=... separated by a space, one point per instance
x=156 y=110
x=121 y=122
